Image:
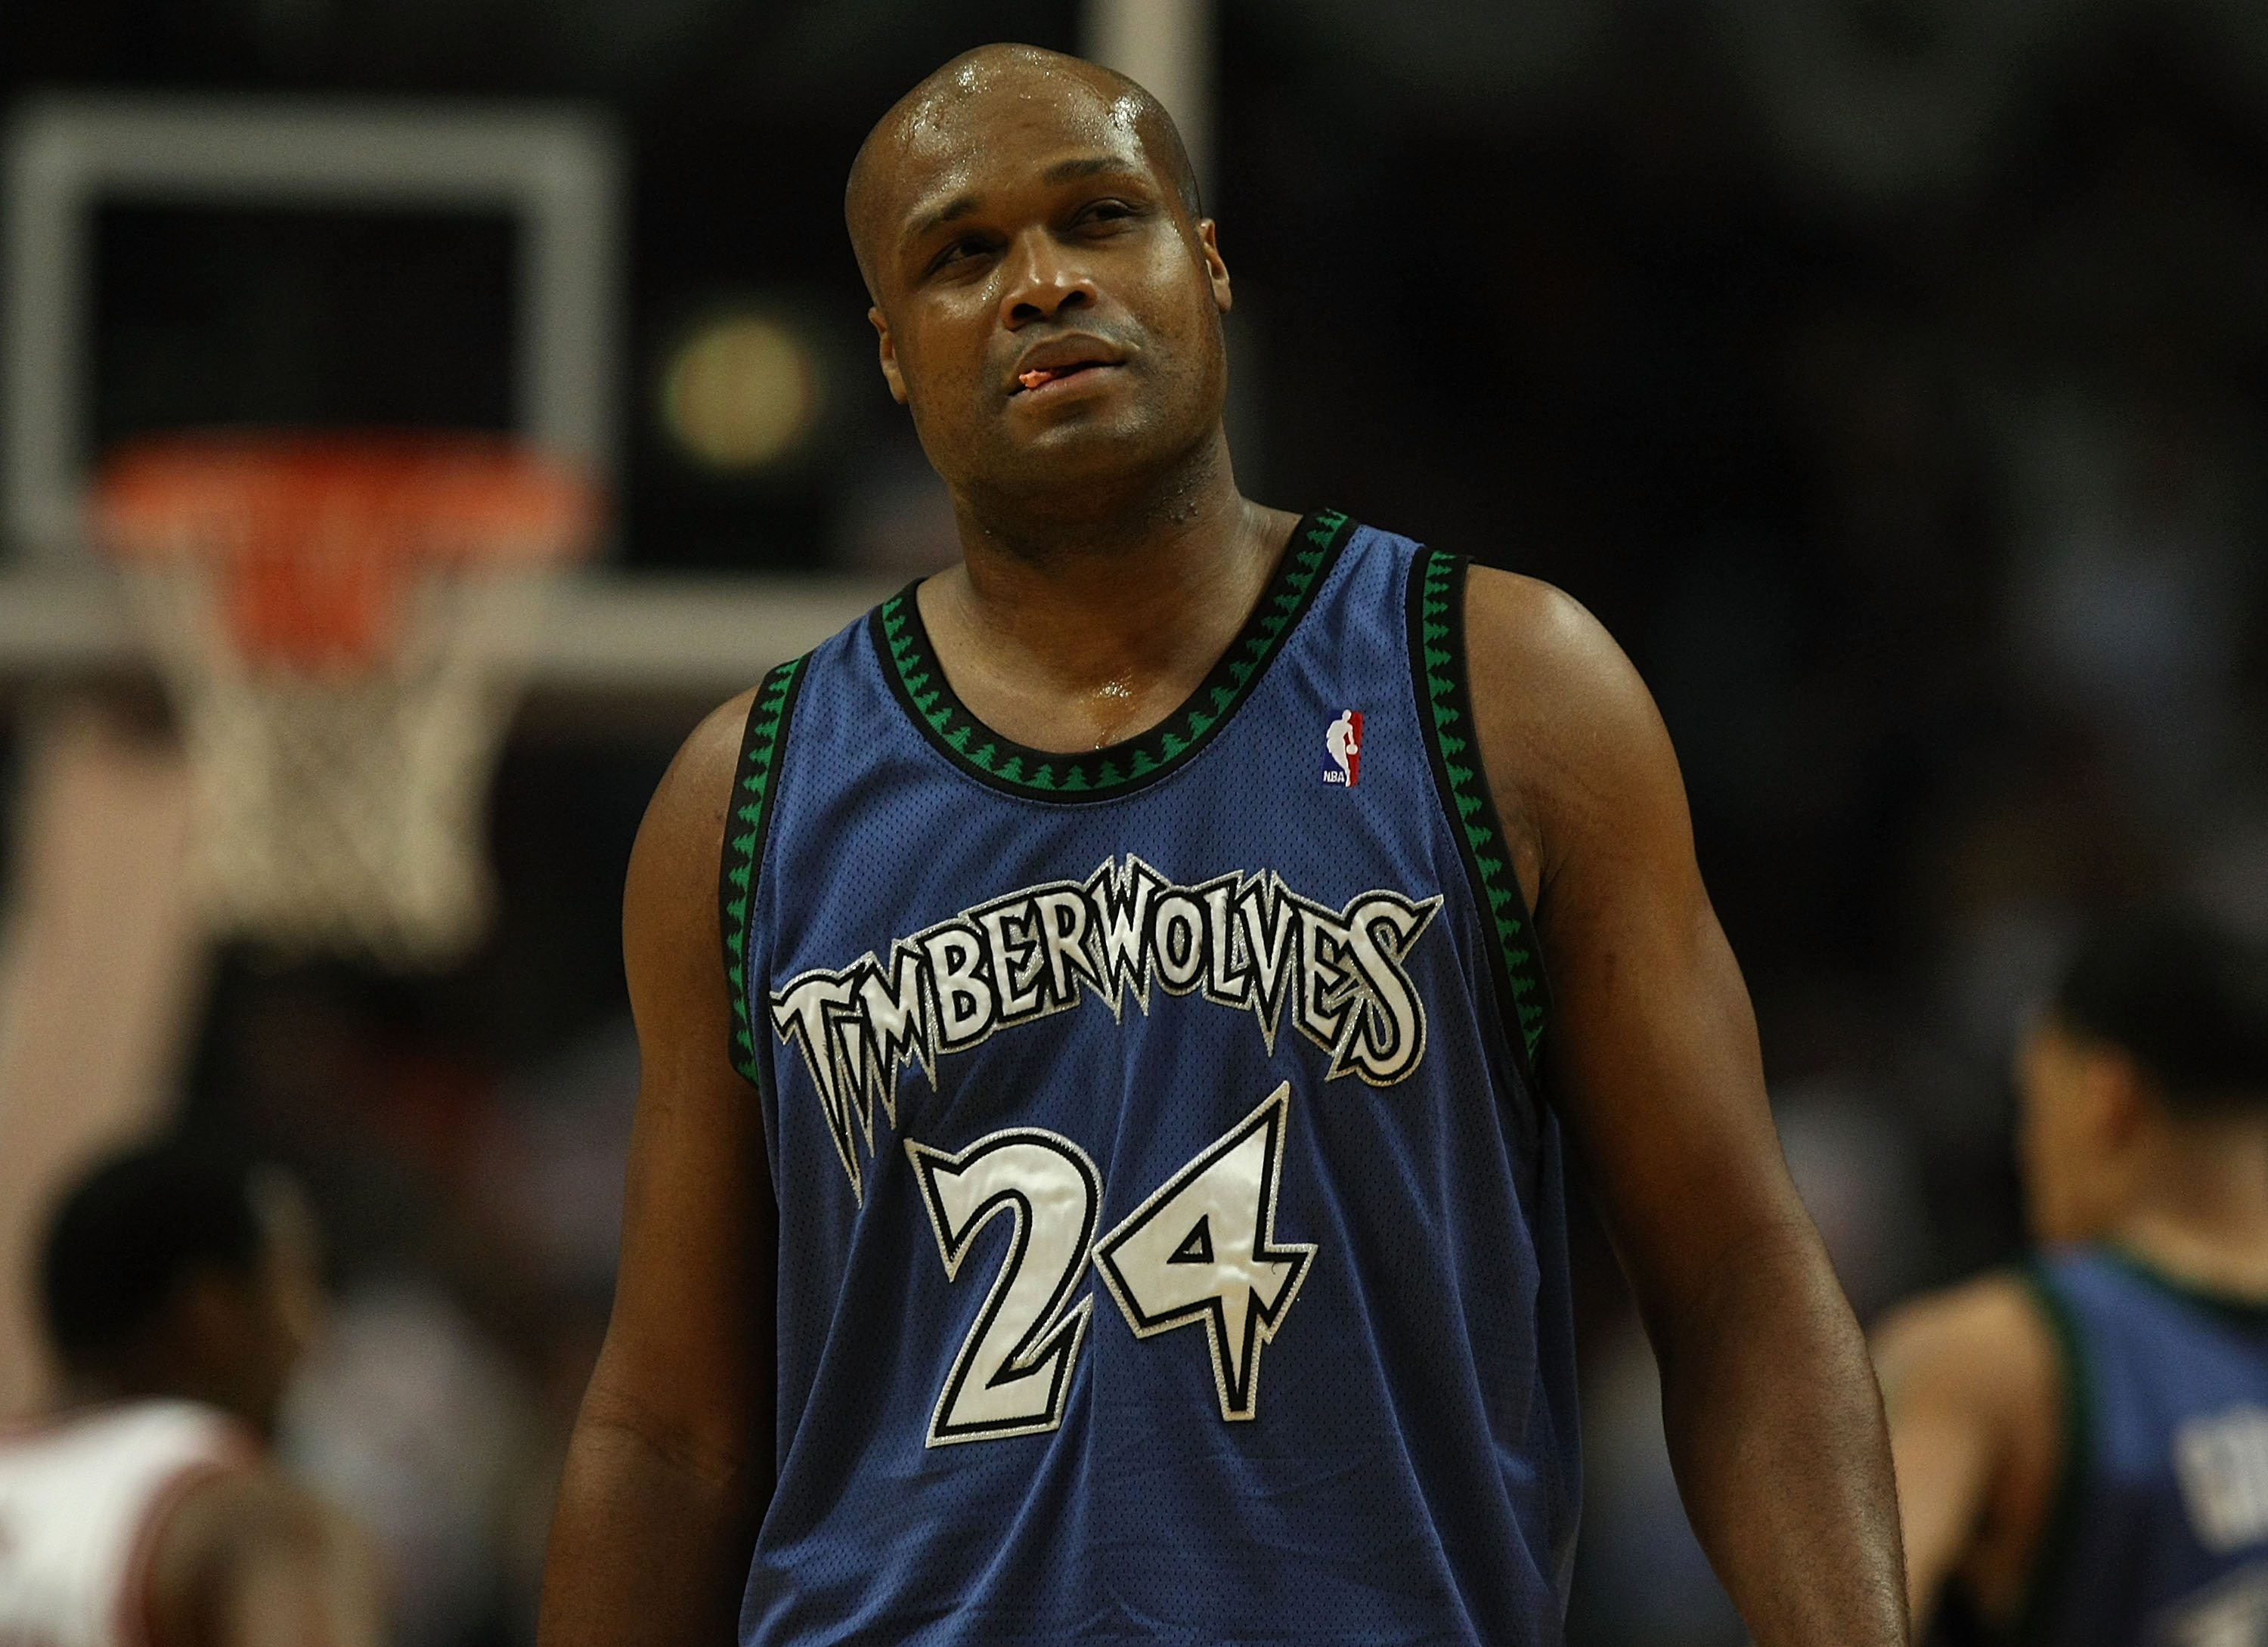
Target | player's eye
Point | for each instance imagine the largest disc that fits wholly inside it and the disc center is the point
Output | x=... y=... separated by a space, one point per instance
x=967 y=248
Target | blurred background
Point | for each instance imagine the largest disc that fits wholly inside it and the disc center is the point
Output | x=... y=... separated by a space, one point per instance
x=1890 y=376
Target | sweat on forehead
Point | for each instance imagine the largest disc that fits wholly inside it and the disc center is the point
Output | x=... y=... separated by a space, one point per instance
x=944 y=116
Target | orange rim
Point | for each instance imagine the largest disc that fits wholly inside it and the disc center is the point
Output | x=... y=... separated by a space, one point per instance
x=313 y=541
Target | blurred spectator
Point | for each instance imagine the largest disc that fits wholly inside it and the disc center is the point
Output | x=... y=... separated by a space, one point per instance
x=480 y=1218
x=408 y=1418
x=179 y=1290
x=1852 y=1160
x=2126 y=601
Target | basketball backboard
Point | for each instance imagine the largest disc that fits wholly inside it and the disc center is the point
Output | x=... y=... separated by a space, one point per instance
x=555 y=172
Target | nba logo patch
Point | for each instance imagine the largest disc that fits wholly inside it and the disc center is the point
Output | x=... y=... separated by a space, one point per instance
x=1343 y=741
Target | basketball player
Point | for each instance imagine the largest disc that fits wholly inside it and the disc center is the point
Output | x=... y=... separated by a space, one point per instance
x=2082 y=1448
x=1100 y=1188
x=179 y=1290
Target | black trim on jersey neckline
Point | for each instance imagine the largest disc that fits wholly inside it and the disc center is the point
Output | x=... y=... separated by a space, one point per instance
x=909 y=662
x=746 y=827
x=1445 y=709
x=2234 y=1309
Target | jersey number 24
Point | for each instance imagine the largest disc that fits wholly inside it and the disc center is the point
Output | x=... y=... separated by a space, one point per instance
x=1201 y=1250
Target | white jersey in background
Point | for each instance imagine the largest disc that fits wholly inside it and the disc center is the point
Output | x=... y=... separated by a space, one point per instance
x=82 y=1498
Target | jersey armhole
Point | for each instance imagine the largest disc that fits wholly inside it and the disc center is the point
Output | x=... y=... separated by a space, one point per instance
x=1443 y=683
x=2050 y=1562
x=137 y=1600
x=746 y=825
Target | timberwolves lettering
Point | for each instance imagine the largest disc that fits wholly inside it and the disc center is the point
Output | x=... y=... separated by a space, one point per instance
x=1247 y=941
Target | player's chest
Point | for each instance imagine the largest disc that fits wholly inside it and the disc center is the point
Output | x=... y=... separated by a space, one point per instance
x=1091 y=963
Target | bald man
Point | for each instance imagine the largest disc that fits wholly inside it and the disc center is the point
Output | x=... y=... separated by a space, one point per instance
x=1093 y=1178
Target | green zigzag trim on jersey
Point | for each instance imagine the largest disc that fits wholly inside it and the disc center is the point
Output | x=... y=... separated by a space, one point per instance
x=744 y=843
x=1437 y=645
x=910 y=666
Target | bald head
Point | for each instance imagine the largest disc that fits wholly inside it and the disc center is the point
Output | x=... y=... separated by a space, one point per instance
x=951 y=110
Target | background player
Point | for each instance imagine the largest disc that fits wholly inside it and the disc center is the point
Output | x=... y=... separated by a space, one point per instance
x=179 y=1288
x=1027 y=227
x=2083 y=1448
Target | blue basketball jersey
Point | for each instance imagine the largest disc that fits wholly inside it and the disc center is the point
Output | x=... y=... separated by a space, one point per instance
x=1171 y=1235
x=2161 y=1531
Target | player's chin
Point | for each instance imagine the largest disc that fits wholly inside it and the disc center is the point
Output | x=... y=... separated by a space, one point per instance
x=1093 y=401
x=1100 y=440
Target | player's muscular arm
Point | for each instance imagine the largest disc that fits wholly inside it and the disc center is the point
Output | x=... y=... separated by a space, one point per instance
x=670 y=1467
x=247 y=1560
x=1970 y=1383
x=1775 y=1426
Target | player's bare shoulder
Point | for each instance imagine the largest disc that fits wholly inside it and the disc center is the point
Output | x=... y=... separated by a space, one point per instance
x=1540 y=658
x=690 y=804
x=1985 y=1342
x=1972 y=1384
x=244 y=1543
x=1574 y=747
x=674 y=863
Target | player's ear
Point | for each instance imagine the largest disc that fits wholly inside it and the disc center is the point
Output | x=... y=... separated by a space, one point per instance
x=2120 y=1096
x=1216 y=270
x=211 y=1316
x=887 y=348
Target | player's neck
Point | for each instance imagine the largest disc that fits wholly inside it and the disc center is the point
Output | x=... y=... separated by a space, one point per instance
x=1076 y=517
x=1069 y=625
x=88 y=1390
x=2201 y=1211
x=165 y=1367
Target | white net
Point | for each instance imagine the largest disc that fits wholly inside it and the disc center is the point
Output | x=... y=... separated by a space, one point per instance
x=342 y=623
x=346 y=813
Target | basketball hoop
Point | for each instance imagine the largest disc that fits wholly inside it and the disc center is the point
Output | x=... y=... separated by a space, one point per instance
x=341 y=620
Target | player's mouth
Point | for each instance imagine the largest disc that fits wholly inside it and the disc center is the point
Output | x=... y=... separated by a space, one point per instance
x=1039 y=377
x=1052 y=368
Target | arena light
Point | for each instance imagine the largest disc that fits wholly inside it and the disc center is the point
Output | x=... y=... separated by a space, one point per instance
x=740 y=392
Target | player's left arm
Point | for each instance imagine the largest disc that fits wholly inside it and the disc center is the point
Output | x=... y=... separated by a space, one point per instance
x=1774 y=1422
x=247 y=1559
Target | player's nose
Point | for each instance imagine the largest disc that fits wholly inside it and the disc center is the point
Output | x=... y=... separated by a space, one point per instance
x=1043 y=281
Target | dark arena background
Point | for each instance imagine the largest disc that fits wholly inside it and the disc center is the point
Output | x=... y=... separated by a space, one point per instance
x=1890 y=376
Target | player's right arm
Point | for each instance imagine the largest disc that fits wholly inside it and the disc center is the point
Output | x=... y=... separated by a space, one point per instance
x=1971 y=1392
x=670 y=1465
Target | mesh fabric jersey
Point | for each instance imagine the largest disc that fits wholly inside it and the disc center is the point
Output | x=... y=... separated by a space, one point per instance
x=1171 y=1236
x=2159 y=1529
